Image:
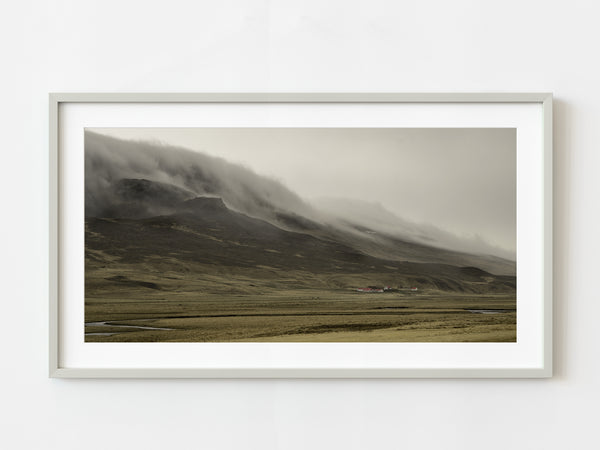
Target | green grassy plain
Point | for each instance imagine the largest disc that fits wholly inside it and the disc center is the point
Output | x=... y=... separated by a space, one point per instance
x=217 y=304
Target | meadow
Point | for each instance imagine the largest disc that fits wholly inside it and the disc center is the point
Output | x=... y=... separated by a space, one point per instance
x=224 y=308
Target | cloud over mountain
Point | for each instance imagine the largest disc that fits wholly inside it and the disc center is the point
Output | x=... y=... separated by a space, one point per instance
x=124 y=174
x=109 y=160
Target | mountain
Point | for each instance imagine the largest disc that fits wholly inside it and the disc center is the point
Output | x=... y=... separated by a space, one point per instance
x=224 y=212
x=373 y=218
x=203 y=232
x=109 y=160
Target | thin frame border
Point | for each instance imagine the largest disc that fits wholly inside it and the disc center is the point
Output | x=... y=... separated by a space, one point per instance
x=56 y=99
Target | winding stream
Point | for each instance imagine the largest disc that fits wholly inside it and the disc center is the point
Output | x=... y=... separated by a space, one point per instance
x=111 y=325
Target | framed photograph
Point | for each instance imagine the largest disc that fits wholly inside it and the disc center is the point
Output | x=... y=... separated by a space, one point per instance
x=301 y=235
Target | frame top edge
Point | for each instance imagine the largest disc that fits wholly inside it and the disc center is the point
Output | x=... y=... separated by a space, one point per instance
x=300 y=97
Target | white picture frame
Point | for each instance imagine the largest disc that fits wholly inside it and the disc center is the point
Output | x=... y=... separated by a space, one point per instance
x=530 y=357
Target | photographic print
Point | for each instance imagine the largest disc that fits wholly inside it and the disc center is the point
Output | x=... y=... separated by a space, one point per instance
x=300 y=235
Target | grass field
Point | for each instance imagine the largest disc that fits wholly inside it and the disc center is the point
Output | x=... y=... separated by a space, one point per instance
x=223 y=307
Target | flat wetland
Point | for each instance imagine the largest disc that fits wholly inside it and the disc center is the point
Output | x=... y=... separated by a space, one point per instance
x=221 y=308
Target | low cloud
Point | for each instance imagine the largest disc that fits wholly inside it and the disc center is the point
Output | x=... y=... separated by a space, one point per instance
x=109 y=160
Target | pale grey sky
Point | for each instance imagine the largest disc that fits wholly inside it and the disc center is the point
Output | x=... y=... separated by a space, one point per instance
x=460 y=180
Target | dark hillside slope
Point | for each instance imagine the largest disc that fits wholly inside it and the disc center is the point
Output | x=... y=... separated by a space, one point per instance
x=136 y=179
x=141 y=198
x=204 y=231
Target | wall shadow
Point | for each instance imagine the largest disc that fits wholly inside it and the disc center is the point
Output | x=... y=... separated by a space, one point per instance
x=562 y=177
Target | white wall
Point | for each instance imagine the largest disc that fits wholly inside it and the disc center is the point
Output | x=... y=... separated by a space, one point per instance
x=303 y=45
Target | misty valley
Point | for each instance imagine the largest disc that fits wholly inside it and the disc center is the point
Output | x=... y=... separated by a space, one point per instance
x=192 y=248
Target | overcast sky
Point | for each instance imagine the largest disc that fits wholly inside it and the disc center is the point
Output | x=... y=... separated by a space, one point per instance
x=460 y=180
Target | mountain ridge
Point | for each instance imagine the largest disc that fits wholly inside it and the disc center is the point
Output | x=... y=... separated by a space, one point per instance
x=145 y=184
x=204 y=231
x=142 y=198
